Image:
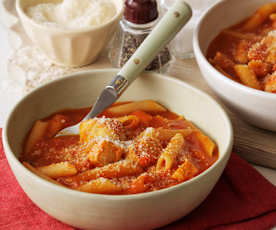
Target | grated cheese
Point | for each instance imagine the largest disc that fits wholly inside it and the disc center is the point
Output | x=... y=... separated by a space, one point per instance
x=72 y=14
x=121 y=144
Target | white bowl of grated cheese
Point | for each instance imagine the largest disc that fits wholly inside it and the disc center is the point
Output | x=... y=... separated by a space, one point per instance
x=71 y=33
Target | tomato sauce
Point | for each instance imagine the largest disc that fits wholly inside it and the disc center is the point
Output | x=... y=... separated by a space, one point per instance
x=50 y=149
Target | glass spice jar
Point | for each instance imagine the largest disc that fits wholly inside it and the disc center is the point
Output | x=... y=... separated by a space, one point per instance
x=140 y=16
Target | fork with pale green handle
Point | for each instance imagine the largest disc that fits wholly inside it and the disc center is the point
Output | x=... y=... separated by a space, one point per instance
x=175 y=18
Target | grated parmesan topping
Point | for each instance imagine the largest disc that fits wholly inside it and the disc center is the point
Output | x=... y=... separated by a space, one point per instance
x=121 y=144
x=260 y=50
x=133 y=172
x=113 y=125
x=146 y=147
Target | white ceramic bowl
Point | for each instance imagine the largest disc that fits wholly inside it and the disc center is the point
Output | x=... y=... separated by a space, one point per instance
x=66 y=47
x=95 y=211
x=254 y=106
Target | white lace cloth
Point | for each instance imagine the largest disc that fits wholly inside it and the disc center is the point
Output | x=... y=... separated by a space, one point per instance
x=27 y=66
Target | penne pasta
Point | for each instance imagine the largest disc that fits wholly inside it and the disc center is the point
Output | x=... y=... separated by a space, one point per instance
x=133 y=153
x=101 y=186
x=138 y=185
x=145 y=118
x=168 y=156
x=247 y=76
x=37 y=133
x=38 y=173
x=245 y=52
x=115 y=170
x=165 y=134
x=259 y=16
x=206 y=142
x=185 y=171
x=239 y=35
x=260 y=68
x=57 y=170
x=130 y=121
x=208 y=145
x=146 y=106
x=241 y=51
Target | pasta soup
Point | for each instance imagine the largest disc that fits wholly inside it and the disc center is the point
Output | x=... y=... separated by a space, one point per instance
x=131 y=147
x=246 y=52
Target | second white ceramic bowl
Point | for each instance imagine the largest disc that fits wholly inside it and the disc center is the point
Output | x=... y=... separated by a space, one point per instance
x=95 y=211
x=253 y=106
x=69 y=47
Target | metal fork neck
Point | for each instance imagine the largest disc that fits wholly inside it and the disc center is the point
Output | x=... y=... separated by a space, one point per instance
x=119 y=84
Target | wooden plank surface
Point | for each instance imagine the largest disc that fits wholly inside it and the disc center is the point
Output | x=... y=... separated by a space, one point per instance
x=253 y=144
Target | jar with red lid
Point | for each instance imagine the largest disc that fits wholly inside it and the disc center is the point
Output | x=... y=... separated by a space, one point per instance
x=140 y=17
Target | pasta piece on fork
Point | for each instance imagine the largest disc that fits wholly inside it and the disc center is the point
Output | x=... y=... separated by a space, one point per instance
x=146 y=106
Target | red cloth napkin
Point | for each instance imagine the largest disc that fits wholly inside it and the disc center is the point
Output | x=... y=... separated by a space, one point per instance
x=241 y=200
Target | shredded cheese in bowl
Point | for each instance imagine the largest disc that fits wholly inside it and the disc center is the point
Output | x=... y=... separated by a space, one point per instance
x=72 y=14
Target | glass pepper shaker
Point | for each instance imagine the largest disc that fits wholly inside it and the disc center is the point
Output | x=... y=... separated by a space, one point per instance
x=140 y=16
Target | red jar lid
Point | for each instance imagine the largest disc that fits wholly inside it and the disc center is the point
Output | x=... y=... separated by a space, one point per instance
x=140 y=11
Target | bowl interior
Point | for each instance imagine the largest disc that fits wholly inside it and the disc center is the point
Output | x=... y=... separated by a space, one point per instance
x=81 y=90
x=223 y=15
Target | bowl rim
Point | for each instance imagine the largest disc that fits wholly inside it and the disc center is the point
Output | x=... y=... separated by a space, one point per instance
x=91 y=28
x=218 y=75
x=12 y=159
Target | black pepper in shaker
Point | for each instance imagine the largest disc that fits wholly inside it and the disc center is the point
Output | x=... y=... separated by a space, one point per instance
x=140 y=16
